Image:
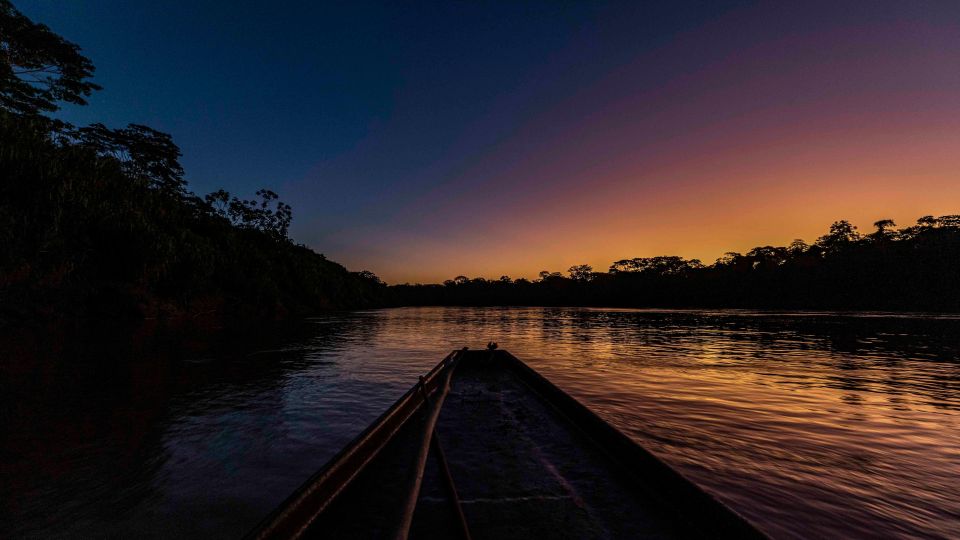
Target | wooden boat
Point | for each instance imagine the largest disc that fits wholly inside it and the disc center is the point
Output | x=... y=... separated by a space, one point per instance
x=485 y=447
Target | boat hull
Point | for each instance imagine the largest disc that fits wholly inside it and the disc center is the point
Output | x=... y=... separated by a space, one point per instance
x=506 y=455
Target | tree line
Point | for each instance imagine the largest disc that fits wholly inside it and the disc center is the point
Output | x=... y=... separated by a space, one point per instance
x=912 y=268
x=99 y=221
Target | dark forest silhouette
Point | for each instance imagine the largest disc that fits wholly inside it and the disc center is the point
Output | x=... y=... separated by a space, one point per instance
x=99 y=221
x=913 y=268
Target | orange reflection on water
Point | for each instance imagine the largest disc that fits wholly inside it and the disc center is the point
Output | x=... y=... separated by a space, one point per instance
x=810 y=425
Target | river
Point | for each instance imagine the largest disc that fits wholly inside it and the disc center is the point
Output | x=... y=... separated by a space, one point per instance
x=809 y=424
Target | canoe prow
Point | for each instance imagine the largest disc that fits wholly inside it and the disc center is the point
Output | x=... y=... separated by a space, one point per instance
x=507 y=454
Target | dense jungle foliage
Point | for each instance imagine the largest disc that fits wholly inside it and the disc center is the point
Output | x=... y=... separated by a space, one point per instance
x=97 y=221
x=915 y=268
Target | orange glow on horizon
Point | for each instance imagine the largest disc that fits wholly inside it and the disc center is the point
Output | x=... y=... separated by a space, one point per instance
x=745 y=152
x=765 y=196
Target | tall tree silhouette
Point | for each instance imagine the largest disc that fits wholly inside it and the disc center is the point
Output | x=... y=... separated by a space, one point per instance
x=143 y=152
x=581 y=272
x=38 y=68
x=884 y=230
x=842 y=234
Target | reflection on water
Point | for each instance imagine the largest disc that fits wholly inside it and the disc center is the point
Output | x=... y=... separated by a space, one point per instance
x=808 y=424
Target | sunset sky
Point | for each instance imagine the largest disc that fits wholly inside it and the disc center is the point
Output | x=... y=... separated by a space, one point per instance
x=425 y=140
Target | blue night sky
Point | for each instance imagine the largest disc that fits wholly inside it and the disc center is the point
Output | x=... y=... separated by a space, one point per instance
x=400 y=132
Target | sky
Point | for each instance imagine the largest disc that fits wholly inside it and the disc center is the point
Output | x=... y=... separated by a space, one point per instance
x=423 y=141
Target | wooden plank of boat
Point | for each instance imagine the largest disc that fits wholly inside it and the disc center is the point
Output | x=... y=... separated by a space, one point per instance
x=485 y=447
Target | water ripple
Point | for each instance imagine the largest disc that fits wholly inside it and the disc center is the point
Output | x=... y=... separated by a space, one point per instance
x=810 y=424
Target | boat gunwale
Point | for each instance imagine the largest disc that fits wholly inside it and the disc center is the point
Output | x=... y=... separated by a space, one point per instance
x=314 y=494
x=712 y=518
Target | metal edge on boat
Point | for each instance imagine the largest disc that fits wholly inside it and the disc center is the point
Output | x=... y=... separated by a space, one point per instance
x=710 y=516
x=292 y=517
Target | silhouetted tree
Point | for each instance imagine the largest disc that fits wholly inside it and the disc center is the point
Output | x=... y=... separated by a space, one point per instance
x=842 y=234
x=367 y=275
x=768 y=256
x=883 y=224
x=581 y=272
x=797 y=247
x=952 y=221
x=268 y=215
x=927 y=222
x=143 y=153
x=883 y=232
x=546 y=275
x=728 y=259
x=664 y=265
x=38 y=68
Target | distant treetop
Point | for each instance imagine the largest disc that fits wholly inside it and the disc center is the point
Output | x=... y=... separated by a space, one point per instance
x=38 y=68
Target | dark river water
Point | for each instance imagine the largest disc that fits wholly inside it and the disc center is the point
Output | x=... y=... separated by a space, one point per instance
x=810 y=425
